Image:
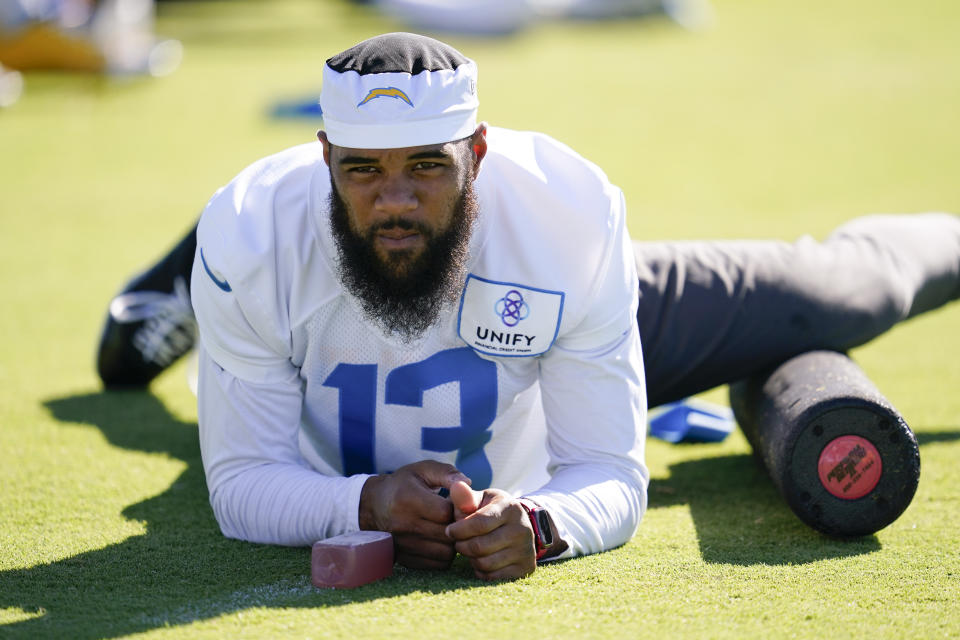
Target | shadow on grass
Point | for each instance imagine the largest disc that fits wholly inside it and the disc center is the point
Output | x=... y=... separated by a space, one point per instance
x=935 y=437
x=182 y=569
x=741 y=519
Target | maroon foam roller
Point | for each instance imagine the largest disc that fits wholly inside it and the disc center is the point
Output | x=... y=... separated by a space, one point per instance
x=352 y=559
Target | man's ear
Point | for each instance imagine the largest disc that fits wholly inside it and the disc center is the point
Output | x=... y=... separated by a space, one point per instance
x=322 y=137
x=478 y=143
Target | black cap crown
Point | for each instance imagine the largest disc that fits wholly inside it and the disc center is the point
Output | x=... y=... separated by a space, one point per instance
x=397 y=53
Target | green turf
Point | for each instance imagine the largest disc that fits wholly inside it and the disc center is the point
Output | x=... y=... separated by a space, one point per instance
x=785 y=118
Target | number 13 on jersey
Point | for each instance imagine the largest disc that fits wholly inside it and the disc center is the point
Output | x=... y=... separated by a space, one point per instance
x=405 y=385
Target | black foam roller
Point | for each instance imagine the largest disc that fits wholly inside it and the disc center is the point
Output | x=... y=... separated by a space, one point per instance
x=842 y=457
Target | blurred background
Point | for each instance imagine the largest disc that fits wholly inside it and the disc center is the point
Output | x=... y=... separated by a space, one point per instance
x=718 y=118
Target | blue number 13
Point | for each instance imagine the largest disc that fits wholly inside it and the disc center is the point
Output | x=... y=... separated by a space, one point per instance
x=405 y=385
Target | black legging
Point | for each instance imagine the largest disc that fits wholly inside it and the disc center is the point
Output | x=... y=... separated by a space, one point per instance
x=715 y=312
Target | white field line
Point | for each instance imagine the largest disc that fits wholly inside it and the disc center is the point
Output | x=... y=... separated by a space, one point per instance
x=259 y=596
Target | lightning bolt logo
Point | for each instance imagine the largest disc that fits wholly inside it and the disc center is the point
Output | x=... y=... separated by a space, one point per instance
x=385 y=92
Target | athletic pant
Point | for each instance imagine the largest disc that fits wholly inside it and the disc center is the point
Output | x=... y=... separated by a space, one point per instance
x=715 y=312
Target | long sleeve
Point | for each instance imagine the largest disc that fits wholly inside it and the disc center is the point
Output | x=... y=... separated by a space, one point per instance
x=250 y=393
x=595 y=407
x=594 y=400
x=261 y=489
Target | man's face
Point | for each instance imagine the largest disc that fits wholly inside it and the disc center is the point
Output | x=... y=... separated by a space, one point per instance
x=402 y=220
x=398 y=199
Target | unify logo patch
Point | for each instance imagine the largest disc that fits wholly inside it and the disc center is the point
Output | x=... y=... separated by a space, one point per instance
x=508 y=319
x=511 y=308
x=385 y=92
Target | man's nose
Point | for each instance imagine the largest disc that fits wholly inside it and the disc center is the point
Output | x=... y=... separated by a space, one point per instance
x=397 y=196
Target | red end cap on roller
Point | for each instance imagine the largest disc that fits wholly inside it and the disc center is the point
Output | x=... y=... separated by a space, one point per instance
x=352 y=559
x=850 y=467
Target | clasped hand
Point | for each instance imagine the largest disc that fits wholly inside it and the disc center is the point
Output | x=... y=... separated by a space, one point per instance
x=488 y=527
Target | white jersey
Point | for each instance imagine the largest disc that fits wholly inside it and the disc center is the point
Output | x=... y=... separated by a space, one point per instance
x=532 y=384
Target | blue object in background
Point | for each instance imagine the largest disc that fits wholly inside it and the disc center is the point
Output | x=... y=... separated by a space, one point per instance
x=297 y=109
x=691 y=421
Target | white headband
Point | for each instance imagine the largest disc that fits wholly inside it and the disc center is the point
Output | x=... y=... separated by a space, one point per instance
x=398 y=90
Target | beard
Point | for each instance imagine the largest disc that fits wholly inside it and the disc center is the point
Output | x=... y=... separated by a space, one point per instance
x=405 y=291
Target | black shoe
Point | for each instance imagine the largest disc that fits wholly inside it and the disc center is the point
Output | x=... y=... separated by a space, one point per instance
x=150 y=324
x=146 y=332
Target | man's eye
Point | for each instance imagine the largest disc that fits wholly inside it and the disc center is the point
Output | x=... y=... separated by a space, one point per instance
x=423 y=166
x=361 y=170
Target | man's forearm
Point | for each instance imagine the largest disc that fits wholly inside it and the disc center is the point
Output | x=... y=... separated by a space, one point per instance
x=286 y=505
x=597 y=490
x=594 y=507
x=261 y=490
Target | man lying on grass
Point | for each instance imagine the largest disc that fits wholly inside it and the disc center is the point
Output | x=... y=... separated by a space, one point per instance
x=418 y=303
